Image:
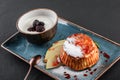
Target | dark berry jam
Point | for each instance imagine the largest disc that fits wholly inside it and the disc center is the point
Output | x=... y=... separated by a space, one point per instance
x=85 y=75
x=106 y=55
x=67 y=76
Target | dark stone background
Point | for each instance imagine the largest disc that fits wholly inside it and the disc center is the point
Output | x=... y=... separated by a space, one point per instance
x=100 y=16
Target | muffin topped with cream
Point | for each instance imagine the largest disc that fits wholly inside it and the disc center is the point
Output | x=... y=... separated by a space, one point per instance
x=79 y=52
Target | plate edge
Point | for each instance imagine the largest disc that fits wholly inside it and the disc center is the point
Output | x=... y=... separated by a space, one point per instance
x=117 y=59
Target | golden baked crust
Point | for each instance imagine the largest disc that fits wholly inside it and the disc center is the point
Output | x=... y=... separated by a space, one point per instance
x=87 y=61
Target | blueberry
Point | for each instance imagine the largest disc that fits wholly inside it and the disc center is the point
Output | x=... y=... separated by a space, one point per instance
x=41 y=23
x=31 y=29
x=36 y=23
x=40 y=28
x=37 y=26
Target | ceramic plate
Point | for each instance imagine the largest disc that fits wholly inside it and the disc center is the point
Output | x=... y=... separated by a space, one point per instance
x=109 y=52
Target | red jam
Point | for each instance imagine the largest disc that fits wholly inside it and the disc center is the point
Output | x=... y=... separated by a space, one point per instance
x=106 y=55
x=66 y=75
x=85 y=75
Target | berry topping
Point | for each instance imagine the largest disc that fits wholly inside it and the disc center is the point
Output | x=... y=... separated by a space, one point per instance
x=40 y=28
x=41 y=24
x=35 y=23
x=31 y=29
x=37 y=26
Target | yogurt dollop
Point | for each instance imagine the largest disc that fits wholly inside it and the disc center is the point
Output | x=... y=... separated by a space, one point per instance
x=71 y=49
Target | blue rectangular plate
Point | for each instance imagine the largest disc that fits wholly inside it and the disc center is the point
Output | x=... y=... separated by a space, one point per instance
x=19 y=47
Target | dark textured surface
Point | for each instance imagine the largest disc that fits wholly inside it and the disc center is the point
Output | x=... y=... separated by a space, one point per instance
x=101 y=16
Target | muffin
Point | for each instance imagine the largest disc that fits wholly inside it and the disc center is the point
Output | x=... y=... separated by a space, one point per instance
x=79 y=52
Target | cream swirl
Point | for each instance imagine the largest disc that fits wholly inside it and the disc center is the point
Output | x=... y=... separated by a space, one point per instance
x=71 y=49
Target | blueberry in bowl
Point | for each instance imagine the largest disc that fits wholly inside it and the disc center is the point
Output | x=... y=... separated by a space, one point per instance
x=38 y=25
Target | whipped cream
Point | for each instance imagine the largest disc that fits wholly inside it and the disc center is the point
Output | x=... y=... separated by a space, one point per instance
x=71 y=49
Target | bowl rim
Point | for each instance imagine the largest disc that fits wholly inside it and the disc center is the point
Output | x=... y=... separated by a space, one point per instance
x=31 y=11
